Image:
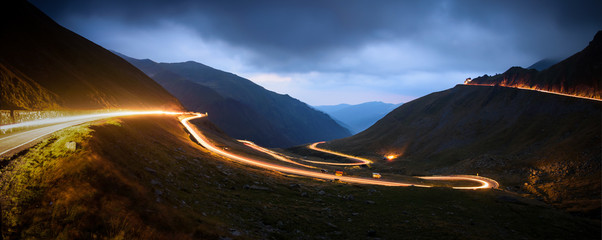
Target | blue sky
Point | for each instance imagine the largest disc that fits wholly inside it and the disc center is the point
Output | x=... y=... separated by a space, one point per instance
x=330 y=52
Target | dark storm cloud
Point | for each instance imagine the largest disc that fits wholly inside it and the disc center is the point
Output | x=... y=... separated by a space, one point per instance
x=296 y=28
x=312 y=28
x=346 y=41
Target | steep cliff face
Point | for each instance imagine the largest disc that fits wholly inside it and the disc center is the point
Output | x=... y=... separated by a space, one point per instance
x=580 y=74
x=45 y=66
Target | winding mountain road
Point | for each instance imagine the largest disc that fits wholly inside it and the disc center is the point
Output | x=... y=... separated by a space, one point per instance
x=258 y=163
x=202 y=139
x=359 y=160
x=485 y=182
x=12 y=143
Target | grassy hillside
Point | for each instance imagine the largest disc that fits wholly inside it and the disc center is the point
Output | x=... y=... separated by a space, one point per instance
x=47 y=67
x=535 y=143
x=242 y=108
x=143 y=178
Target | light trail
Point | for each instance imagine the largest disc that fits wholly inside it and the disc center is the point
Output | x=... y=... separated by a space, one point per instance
x=36 y=134
x=534 y=89
x=272 y=153
x=485 y=182
x=253 y=162
x=80 y=117
x=314 y=146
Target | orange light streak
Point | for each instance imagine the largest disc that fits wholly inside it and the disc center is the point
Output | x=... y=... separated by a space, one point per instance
x=485 y=182
x=361 y=161
x=534 y=89
x=253 y=162
x=272 y=153
x=81 y=117
x=17 y=140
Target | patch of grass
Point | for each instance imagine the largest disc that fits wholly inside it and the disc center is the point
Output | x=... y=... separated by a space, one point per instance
x=24 y=180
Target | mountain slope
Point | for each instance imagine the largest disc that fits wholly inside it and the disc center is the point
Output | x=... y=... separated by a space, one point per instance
x=531 y=142
x=360 y=116
x=242 y=108
x=298 y=121
x=227 y=113
x=45 y=66
x=580 y=74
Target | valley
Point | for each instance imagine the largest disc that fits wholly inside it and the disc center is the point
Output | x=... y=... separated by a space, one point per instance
x=238 y=128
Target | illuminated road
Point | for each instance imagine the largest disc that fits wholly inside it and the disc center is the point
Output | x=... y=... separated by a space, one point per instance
x=13 y=143
x=483 y=182
x=258 y=163
x=272 y=153
x=361 y=161
x=533 y=89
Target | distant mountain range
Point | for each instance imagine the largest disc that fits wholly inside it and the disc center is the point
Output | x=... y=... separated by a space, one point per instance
x=358 y=117
x=580 y=74
x=44 y=66
x=541 y=144
x=543 y=64
x=240 y=107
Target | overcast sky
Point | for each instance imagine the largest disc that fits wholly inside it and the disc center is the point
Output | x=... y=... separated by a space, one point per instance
x=330 y=52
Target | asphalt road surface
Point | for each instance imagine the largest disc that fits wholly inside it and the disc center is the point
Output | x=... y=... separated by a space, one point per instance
x=36 y=130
